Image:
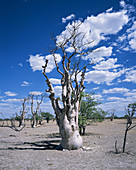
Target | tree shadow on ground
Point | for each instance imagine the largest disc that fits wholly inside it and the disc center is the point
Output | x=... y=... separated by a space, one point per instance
x=54 y=135
x=39 y=145
x=92 y=134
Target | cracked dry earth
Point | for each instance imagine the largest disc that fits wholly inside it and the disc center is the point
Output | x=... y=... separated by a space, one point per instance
x=35 y=149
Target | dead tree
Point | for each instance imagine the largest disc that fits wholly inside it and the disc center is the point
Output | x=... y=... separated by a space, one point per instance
x=70 y=70
x=130 y=110
x=112 y=114
x=39 y=100
x=23 y=112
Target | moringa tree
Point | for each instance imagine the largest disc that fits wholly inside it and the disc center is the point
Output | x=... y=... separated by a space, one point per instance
x=39 y=99
x=23 y=112
x=72 y=46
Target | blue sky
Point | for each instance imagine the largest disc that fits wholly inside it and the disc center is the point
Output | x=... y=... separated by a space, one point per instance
x=25 y=28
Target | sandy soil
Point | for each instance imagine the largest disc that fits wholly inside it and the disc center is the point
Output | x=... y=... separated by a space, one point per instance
x=34 y=149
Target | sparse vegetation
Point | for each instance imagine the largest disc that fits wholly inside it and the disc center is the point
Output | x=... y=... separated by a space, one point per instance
x=130 y=111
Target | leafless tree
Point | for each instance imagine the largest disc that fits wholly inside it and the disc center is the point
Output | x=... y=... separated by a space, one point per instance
x=130 y=110
x=23 y=112
x=67 y=115
x=39 y=100
x=112 y=114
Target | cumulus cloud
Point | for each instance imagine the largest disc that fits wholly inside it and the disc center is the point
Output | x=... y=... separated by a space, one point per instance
x=98 y=27
x=55 y=81
x=37 y=61
x=9 y=93
x=132 y=36
x=64 y=20
x=99 y=54
x=122 y=4
x=102 y=76
x=131 y=93
x=116 y=90
x=130 y=76
x=51 y=63
x=70 y=49
x=108 y=64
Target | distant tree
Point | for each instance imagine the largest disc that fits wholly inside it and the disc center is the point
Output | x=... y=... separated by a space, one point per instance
x=23 y=112
x=82 y=122
x=112 y=114
x=130 y=111
x=89 y=110
x=47 y=116
x=39 y=100
x=89 y=105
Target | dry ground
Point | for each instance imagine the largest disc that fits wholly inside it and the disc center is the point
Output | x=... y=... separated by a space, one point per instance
x=34 y=149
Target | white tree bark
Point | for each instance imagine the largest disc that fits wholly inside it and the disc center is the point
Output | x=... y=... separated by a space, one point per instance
x=34 y=113
x=67 y=116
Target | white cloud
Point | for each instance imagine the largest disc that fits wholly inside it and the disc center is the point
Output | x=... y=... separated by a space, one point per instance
x=97 y=97
x=102 y=76
x=119 y=106
x=37 y=61
x=101 y=24
x=116 y=99
x=109 y=10
x=25 y=83
x=122 y=38
x=64 y=20
x=98 y=27
x=122 y=4
x=51 y=63
x=20 y=64
x=9 y=93
x=130 y=76
x=70 y=49
x=132 y=42
x=132 y=36
x=36 y=93
x=125 y=48
x=131 y=93
x=11 y=100
x=55 y=81
x=108 y=64
x=99 y=54
x=116 y=90
x=58 y=90
x=4 y=104
x=96 y=88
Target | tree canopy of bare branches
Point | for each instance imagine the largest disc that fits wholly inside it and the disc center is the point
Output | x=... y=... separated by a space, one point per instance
x=72 y=72
x=39 y=100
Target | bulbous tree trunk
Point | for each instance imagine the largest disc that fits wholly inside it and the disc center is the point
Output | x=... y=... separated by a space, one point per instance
x=34 y=121
x=71 y=138
x=21 y=122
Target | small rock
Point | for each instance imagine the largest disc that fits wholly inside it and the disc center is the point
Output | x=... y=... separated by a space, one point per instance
x=47 y=159
x=86 y=148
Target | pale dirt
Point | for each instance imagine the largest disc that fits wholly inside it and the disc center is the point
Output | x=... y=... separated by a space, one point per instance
x=34 y=149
